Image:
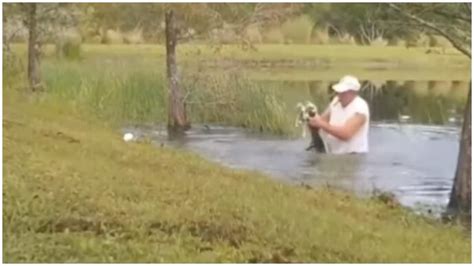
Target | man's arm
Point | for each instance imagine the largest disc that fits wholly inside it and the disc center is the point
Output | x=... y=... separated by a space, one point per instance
x=344 y=132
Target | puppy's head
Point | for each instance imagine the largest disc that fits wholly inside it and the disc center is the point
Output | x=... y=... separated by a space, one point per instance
x=300 y=107
x=311 y=109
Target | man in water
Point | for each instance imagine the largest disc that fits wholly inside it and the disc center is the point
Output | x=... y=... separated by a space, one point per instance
x=345 y=123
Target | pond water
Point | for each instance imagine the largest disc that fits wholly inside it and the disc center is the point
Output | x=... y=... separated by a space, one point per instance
x=414 y=139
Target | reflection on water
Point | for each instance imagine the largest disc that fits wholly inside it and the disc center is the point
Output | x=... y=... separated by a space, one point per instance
x=430 y=102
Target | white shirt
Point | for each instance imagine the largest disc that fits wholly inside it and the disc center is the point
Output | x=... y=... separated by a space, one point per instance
x=359 y=143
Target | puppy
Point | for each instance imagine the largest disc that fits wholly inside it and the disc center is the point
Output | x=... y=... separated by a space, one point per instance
x=304 y=113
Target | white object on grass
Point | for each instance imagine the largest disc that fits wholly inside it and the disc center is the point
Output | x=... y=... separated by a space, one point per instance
x=128 y=136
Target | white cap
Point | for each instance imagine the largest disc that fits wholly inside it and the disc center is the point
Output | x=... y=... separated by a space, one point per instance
x=347 y=83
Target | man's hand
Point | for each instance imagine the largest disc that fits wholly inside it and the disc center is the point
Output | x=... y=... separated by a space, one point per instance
x=315 y=121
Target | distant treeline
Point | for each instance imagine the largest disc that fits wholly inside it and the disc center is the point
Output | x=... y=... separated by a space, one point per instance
x=223 y=23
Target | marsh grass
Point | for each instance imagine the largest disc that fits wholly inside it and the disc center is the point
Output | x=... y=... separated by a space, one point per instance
x=233 y=100
x=134 y=93
x=118 y=93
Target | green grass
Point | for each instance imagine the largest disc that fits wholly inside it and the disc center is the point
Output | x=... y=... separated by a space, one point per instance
x=113 y=91
x=131 y=92
x=233 y=100
x=73 y=191
x=337 y=55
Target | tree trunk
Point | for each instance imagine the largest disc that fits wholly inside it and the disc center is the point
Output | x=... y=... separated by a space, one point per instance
x=6 y=41
x=460 y=200
x=34 y=77
x=177 y=120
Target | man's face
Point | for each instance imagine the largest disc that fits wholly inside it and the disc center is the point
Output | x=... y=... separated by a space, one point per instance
x=345 y=97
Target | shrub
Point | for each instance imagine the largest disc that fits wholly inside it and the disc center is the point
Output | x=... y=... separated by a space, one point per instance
x=418 y=40
x=273 y=35
x=438 y=41
x=112 y=37
x=68 y=44
x=395 y=41
x=224 y=36
x=134 y=37
x=346 y=38
x=252 y=34
x=320 y=36
x=298 y=30
x=379 y=41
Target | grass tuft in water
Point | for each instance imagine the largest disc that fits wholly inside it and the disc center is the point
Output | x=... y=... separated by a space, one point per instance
x=233 y=100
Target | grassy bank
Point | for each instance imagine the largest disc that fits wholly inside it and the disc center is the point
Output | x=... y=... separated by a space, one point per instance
x=337 y=55
x=73 y=191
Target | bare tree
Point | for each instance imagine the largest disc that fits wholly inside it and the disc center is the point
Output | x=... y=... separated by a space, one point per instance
x=177 y=119
x=452 y=21
x=370 y=30
x=460 y=200
x=34 y=75
x=41 y=22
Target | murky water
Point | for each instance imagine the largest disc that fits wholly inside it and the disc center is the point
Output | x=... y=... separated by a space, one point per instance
x=414 y=139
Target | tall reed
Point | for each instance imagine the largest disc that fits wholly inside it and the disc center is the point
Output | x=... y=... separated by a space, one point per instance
x=133 y=92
